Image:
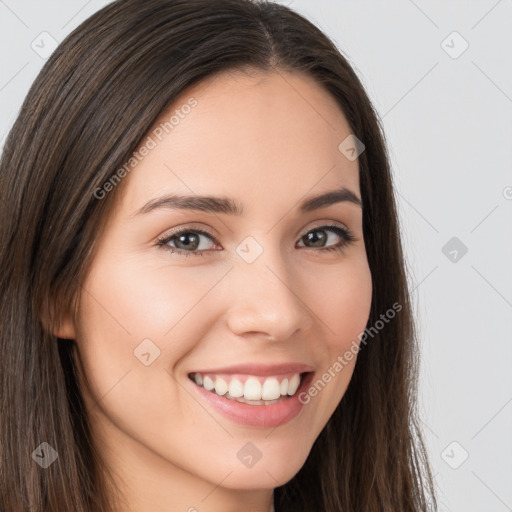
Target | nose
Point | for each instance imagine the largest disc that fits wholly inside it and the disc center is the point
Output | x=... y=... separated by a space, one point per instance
x=263 y=302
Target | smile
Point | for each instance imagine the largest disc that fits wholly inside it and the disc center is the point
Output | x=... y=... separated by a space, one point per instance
x=252 y=395
x=250 y=389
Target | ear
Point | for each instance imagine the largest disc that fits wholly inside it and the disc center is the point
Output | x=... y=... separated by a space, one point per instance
x=60 y=324
x=65 y=328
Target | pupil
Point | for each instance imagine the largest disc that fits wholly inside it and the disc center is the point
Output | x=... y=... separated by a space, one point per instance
x=316 y=240
x=192 y=245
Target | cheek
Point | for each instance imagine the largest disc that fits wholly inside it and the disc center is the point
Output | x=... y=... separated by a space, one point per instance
x=133 y=327
x=129 y=302
x=341 y=301
x=135 y=323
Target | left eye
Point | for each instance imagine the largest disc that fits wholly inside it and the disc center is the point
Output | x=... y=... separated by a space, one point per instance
x=188 y=241
x=344 y=233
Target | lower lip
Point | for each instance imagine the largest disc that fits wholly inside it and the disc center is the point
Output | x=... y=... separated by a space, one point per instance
x=256 y=415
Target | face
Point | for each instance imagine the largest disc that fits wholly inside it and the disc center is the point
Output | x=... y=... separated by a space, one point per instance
x=253 y=303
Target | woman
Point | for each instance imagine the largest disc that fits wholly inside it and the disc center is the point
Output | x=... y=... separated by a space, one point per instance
x=275 y=371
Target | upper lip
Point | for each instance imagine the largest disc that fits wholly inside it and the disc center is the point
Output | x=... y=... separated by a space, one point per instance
x=262 y=370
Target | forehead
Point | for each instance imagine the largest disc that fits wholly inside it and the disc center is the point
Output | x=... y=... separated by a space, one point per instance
x=260 y=136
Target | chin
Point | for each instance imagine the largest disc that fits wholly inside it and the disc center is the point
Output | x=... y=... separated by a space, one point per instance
x=270 y=471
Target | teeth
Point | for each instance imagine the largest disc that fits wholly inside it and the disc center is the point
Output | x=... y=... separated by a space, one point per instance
x=252 y=389
x=294 y=384
x=236 y=388
x=221 y=386
x=208 y=383
x=271 y=389
x=255 y=390
x=284 y=387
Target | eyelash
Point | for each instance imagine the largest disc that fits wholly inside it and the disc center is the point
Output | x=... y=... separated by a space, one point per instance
x=346 y=235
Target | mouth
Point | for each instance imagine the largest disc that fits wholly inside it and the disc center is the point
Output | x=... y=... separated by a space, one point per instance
x=250 y=389
x=253 y=395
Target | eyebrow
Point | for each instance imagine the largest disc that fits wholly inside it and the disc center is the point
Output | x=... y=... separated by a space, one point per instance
x=231 y=207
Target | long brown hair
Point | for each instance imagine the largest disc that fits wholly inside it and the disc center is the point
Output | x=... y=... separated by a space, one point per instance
x=86 y=112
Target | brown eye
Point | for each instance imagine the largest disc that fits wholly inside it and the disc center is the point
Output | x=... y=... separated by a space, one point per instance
x=186 y=242
x=318 y=237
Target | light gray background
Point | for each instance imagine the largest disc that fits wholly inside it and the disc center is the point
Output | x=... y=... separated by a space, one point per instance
x=448 y=123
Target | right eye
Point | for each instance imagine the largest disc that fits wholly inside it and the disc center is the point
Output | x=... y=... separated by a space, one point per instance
x=188 y=241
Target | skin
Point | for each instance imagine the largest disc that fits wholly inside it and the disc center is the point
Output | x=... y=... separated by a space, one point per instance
x=267 y=140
